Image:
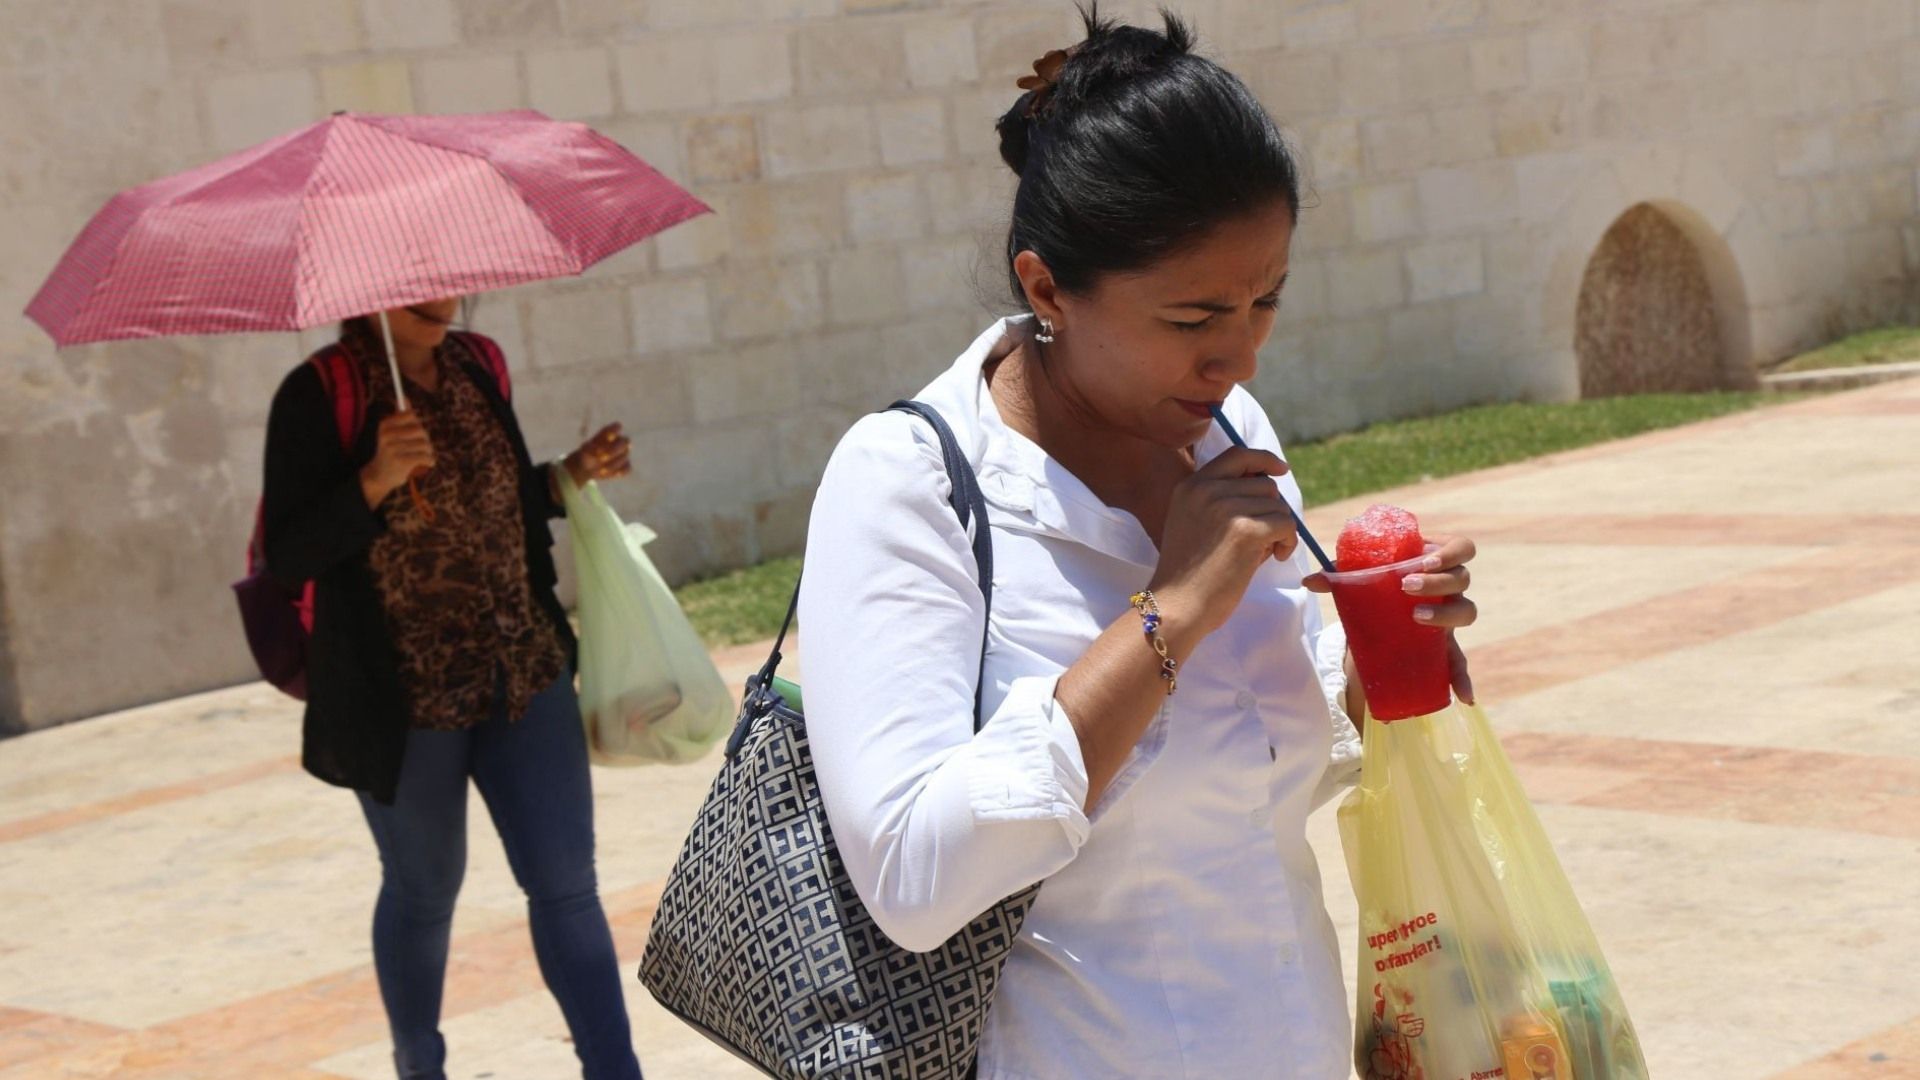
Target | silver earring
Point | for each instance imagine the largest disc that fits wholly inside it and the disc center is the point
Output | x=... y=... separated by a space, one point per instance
x=1045 y=336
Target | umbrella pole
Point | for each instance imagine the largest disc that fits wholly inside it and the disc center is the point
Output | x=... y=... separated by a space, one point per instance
x=393 y=361
x=400 y=395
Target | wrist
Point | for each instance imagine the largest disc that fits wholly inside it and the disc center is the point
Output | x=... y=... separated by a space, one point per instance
x=373 y=488
x=1146 y=605
x=1182 y=624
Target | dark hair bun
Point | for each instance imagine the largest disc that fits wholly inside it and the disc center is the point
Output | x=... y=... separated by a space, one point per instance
x=1111 y=55
x=1136 y=147
x=1015 y=134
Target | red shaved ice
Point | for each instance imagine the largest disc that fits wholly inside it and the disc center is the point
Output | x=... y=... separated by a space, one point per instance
x=1382 y=536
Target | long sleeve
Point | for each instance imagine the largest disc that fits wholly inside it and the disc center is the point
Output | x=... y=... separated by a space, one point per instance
x=1326 y=642
x=934 y=822
x=546 y=477
x=314 y=512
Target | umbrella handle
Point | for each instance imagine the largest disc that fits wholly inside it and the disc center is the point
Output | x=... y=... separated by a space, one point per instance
x=420 y=502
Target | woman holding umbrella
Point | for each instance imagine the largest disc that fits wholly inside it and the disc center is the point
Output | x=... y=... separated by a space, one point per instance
x=437 y=648
x=440 y=653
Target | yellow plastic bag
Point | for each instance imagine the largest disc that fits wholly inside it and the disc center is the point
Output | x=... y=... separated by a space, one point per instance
x=648 y=690
x=1475 y=959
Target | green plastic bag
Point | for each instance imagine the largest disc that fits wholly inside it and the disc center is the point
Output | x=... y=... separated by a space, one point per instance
x=648 y=691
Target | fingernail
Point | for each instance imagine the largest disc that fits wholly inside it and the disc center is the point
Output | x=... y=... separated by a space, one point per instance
x=1413 y=583
x=1431 y=563
x=1423 y=613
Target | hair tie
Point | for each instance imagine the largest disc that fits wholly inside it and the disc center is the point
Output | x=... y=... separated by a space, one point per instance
x=1046 y=75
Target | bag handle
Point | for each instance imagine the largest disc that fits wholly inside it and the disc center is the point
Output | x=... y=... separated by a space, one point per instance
x=970 y=504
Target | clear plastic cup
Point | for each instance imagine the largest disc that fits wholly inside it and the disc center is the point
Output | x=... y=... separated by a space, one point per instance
x=1403 y=663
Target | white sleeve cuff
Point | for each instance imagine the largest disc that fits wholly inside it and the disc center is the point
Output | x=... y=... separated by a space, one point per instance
x=1027 y=763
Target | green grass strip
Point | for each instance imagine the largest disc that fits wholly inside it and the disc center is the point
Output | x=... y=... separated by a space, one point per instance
x=1888 y=345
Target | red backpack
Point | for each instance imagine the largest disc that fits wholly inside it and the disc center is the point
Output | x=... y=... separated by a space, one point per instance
x=278 y=617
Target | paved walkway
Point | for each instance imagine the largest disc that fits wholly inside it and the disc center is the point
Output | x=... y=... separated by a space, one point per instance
x=1699 y=646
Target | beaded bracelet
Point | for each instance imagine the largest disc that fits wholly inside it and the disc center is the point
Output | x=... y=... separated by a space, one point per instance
x=1149 y=609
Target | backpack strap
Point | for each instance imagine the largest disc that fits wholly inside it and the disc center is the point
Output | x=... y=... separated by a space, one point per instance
x=346 y=387
x=488 y=352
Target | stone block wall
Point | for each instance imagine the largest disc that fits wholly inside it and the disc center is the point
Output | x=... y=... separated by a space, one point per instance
x=1467 y=157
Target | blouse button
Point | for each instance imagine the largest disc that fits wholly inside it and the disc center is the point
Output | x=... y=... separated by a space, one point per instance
x=1245 y=699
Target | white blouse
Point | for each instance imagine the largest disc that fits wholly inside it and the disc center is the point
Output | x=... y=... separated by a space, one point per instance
x=1181 y=931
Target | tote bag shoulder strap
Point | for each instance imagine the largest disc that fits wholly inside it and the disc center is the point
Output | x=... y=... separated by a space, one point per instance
x=970 y=505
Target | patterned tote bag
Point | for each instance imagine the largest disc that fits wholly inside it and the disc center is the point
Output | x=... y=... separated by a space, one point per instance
x=760 y=940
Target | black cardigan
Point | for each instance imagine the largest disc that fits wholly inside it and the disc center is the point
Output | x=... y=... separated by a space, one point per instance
x=318 y=527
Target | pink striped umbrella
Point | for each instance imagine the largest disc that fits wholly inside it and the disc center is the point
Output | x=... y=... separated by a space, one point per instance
x=355 y=214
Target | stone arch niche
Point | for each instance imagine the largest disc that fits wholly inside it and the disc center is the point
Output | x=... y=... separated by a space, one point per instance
x=1738 y=252
x=1661 y=307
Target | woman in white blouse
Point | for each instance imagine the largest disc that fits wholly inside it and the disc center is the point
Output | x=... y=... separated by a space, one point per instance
x=1180 y=931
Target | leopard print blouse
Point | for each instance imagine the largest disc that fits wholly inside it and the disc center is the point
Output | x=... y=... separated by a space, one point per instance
x=459 y=606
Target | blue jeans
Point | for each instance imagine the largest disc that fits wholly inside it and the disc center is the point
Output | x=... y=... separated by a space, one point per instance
x=533 y=775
